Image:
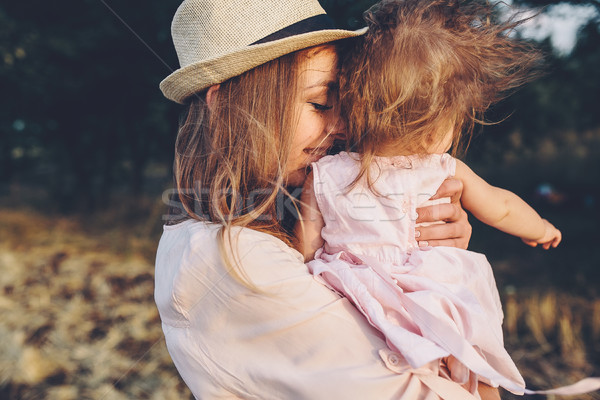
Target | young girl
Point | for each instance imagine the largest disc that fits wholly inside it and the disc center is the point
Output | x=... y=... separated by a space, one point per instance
x=421 y=76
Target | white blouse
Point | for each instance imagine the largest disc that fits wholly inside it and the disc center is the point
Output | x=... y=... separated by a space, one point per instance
x=295 y=340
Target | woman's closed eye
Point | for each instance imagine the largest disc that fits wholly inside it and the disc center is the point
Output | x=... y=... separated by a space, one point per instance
x=321 y=107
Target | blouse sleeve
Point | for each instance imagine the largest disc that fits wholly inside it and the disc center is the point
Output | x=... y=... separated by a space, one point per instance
x=296 y=339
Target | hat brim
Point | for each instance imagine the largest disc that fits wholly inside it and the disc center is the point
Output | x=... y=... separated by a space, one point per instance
x=198 y=76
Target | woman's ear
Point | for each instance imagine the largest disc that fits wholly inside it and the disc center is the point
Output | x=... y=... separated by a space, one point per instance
x=210 y=95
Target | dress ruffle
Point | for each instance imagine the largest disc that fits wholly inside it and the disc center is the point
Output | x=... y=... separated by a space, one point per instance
x=428 y=312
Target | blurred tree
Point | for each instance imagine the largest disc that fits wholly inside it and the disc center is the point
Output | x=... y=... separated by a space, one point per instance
x=584 y=65
x=347 y=13
x=543 y=3
x=81 y=114
x=563 y=99
x=558 y=104
x=84 y=109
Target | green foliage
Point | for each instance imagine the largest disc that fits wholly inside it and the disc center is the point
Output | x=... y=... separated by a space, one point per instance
x=559 y=103
x=347 y=13
x=84 y=111
x=544 y=3
x=81 y=115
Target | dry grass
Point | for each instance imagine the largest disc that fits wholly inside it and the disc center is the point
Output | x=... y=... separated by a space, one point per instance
x=553 y=337
x=78 y=320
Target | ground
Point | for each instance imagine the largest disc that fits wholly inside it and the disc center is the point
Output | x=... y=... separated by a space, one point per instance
x=78 y=320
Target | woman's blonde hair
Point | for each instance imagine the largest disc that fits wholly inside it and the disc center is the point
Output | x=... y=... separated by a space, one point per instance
x=423 y=68
x=231 y=154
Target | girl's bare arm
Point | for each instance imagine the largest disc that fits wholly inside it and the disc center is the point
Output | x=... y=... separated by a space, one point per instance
x=504 y=210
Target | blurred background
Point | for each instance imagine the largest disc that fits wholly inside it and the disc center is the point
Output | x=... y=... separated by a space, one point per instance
x=86 y=148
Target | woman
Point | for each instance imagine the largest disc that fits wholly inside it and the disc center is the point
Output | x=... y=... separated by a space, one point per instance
x=242 y=316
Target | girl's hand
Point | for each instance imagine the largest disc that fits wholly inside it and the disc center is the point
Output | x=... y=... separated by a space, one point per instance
x=552 y=237
x=456 y=231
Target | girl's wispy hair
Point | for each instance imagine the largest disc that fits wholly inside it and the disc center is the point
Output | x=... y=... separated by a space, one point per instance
x=425 y=67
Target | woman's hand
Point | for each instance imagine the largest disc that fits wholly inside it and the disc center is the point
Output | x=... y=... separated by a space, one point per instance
x=456 y=231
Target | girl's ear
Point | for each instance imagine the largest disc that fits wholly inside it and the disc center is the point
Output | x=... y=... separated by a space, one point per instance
x=210 y=95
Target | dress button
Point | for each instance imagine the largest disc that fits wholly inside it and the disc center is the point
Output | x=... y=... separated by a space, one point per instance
x=404 y=206
x=393 y=359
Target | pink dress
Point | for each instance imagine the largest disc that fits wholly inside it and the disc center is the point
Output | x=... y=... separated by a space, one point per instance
x=437 y=307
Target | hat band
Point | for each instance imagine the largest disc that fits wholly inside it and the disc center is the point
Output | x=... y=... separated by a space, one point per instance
x=315 y=23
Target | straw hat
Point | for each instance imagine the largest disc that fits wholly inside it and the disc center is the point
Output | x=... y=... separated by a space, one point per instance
x=216 y=40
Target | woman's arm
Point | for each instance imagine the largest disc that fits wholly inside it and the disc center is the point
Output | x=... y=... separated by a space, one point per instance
x=456 y=232
x=309 y=225
x=504 y=210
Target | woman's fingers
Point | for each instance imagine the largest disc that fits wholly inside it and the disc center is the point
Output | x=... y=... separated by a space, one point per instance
x=455 y=233
x=439 y=212
x=458 y=243
x=436 y=236
x=452 y=188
